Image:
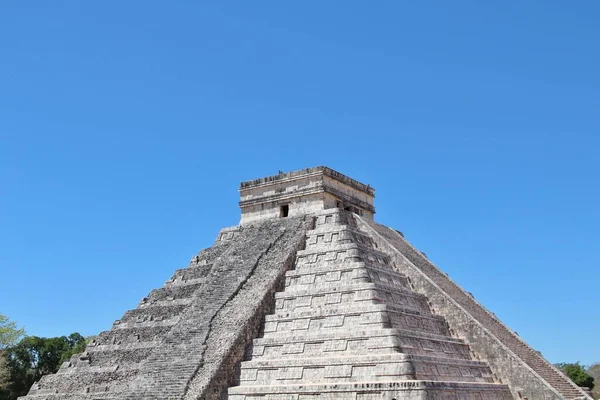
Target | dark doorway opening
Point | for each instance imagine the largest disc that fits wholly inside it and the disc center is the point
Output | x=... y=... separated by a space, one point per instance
x=284 y=210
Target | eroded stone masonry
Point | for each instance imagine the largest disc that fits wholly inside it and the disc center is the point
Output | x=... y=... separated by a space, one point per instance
x=308 y=299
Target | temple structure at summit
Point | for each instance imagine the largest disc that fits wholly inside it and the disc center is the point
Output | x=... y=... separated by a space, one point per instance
x=308 y=298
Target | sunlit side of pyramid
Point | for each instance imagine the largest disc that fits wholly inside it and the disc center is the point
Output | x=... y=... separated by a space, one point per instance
x=308 y=298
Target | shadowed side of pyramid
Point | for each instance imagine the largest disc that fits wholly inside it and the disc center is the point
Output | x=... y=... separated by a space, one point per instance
x=308 y=298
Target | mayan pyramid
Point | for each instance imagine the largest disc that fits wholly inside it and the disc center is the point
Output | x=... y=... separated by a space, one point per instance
x=308 y=298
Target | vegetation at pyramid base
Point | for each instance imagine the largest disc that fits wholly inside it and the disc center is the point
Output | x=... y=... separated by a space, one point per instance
x=25 y=362
x=594 y=372
x=577 y=373
x=9 y=333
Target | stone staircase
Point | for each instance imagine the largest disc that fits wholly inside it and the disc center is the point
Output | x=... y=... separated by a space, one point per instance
x=303 y=301
x=112 y=362
x=183 y=339
x=347 y=326
x=511 y=343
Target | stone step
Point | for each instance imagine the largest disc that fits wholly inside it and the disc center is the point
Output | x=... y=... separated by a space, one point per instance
x=374 y=390
x=343 y=271
x=354 y=315
x=279 y=324
x=190 y=275
x=81 y=382
x=191 y=282
x=51 y=395
x=150 y=323
x=335 y=235
x=132 y=335
x=171 y=302
x=332 y=287
x=425 y=344
x=386 y=276
x=121 y=357
x=207 y=256
x=329 y=228
x=337 y=309
x=156 y=313
x=326 y=369
x=341 y=341
x=451 y=369
x=173 y=292
x=93 y=346
x=337 y=286
x=226 y=235
x=334 y=216
x=333 y=342
x=345 y=274
x=314 y=257
x=348 y=266
x=320 y=295
x=379 y=367
x=406 y=318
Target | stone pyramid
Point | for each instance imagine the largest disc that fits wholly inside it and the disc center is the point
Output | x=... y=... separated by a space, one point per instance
x=308 y=299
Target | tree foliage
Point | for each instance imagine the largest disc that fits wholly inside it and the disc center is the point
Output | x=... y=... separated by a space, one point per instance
x=33 y=357
x=594 y=372
x=9 y=333
x=577 y=373
x=4 y=377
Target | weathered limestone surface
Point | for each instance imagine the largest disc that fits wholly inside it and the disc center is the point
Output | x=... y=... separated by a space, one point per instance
x=308 y=299
x=527 y=373
x=185 y=339
x=304 y=192
x=349 y=326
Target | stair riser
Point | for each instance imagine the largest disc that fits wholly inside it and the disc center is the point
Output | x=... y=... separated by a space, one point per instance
x=371 y=392
x=327 y=240
x=348 y=277
x=311 y=301
x=321 y=374
x=334 y=348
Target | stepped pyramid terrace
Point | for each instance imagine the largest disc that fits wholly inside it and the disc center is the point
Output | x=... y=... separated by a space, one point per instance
x=308 y=298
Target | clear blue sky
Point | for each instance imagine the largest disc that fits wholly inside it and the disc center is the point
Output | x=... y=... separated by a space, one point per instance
x=126 y=127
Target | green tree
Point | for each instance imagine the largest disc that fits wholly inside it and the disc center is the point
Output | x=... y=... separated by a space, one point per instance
x=76 y=344
x=9 y=333
x=4 y=378
x=594 y=372
x=577 y=373
x=9 y=336
x=33 y=357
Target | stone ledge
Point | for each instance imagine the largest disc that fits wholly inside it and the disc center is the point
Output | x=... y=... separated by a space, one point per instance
x=395 y=387
x=341 y=248
x=313 y=171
